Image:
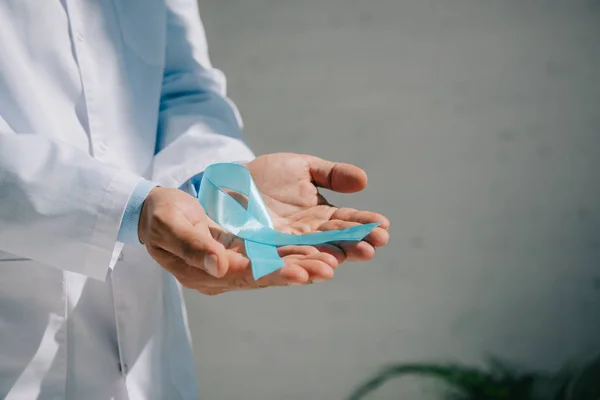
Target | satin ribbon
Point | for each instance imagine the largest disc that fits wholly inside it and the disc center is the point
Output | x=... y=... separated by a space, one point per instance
x=254 y=224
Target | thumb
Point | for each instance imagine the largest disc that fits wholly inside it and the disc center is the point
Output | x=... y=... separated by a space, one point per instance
x=339 y=177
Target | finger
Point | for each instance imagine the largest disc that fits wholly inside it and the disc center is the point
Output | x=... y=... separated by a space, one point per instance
x=357 y=251
x=300 y=269
x=193 y=244
x=318 y=271
x=298 y=250
x=362 y=217
x=378 y=237
x=325 y=258
x=239 y=275
x=338 y=253
x=340 y=177
x=188 y=276
x=289 y=274
x=302 y=265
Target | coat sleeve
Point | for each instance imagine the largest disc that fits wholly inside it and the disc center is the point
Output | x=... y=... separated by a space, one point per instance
x=59 y=206
x=198 y=124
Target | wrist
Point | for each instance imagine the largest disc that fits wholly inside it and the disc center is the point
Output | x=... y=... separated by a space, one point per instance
x=145 y=219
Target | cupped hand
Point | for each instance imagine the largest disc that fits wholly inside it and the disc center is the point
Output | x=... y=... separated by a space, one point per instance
x=289 y=184
x=202 y=256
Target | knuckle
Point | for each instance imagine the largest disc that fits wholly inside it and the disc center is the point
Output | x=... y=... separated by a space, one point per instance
x=307 y=189
x=343 y=213
x=263 y=284
x=158 y=224
x=311 y=250
x=241 y=282
x=304 y=228
x=162 y=216
x=192 y=250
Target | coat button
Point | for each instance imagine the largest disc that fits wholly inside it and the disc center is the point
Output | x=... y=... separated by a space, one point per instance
x=123 y=368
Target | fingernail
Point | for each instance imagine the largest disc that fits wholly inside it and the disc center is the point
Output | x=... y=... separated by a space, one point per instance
x=210 y=264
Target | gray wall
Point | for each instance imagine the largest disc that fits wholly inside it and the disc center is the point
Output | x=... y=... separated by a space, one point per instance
x=478 y=122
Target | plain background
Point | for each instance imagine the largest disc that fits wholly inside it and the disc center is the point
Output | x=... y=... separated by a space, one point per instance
x=478 y=122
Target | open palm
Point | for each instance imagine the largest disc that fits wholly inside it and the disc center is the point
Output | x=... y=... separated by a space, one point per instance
x=289 y=184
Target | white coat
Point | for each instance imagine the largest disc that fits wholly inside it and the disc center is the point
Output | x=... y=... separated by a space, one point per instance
x=94 y=95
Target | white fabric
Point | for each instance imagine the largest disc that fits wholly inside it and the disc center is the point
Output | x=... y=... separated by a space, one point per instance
x=95 y=95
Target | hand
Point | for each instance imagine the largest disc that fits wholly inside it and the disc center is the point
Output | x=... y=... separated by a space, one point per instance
x=184 y=241
x=289 y=185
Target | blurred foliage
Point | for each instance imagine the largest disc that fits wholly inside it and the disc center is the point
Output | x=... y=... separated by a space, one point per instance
x=497 y=381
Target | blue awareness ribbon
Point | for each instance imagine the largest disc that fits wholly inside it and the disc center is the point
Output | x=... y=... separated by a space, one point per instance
x=254 y=224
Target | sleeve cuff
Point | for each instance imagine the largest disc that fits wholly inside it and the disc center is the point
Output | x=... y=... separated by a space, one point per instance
x=128 y=231
x=103 y=243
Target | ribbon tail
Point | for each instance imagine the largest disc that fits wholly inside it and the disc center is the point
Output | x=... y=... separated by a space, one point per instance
x=264 y=259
